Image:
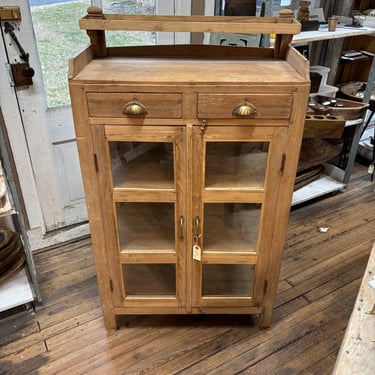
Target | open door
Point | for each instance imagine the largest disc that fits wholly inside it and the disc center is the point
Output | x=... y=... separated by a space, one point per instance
x=42 y=134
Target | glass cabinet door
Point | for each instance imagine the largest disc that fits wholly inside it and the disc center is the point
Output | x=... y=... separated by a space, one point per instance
x=240 y=168
x=146 y=177
x=235 y=165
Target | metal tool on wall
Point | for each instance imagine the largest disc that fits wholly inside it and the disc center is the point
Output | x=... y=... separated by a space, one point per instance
x=22 y=72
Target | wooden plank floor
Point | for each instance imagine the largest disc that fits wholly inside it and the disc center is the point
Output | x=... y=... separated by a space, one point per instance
x=320 y=278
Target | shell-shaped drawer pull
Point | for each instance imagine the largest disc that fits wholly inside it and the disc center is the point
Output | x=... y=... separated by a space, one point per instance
x=134 y=108
x=244 y=109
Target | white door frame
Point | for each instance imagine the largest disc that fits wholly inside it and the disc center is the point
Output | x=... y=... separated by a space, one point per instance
x=173 y=7
x=17 y=129
x=30 y=131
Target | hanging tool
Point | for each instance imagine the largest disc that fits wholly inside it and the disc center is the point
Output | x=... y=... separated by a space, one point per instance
x=22 y=72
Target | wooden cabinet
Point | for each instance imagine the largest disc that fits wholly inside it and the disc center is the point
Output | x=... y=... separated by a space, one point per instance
x=188 y=156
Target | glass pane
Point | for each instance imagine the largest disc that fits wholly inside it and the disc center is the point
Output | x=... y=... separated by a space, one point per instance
x=150 y=279
x=239 y=165
x=257 y=4
x=144 y=165
x=231 y=227
x=126 y=38
x=231 y=280
x=146 y=226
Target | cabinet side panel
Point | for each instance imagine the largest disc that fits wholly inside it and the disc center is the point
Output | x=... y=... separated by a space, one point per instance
x=86 y=154
x=269 y=224
x=298 y=62
x=78 y=62
x=294 y=139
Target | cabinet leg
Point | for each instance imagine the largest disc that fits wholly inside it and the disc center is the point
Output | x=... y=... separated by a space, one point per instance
x=110 y=321
x=265 y=320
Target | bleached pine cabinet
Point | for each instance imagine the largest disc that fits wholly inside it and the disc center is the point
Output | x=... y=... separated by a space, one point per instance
x=188 y=156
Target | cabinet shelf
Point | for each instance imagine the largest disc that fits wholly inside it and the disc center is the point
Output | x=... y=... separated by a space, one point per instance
x=145 y=176
x=15 y=290
x=20 y=286
x=324 y=34
x=146 y=165
x=323 y=186
x=328 y=183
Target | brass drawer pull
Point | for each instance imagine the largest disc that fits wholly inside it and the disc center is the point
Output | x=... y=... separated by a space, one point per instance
x=181 y=227
x=244 y=109
x=134 y=108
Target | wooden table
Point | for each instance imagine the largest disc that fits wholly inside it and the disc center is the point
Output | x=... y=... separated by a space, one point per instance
x=357 y=352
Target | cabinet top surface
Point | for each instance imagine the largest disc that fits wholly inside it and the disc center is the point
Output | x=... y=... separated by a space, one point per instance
x=188 y=71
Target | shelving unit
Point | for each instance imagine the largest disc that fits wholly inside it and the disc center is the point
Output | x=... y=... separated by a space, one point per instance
x=323 y=34
x=20 y=287
x=334 y=179
x=16 y=290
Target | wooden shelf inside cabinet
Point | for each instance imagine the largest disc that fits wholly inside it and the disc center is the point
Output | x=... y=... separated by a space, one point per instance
x=192 y=150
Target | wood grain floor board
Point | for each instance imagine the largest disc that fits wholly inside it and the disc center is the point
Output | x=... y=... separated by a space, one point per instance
x=326 y=282
x=297 y=354
x=283 y=333
x=320 y=278
x=310 y=347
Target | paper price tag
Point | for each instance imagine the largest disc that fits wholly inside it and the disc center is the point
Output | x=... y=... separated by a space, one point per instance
x=371 y=169
x=197 y=253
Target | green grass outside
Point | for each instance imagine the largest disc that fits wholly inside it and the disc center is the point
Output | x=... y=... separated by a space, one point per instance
x=59 y=38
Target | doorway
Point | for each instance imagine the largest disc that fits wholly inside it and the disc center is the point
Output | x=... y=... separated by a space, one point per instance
x=38 y=117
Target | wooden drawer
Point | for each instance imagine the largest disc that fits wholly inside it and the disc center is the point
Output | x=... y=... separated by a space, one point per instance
x=270 y=106
x=156 y=105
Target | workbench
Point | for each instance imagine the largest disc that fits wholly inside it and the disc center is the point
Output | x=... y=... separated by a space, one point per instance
x=357 y=352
